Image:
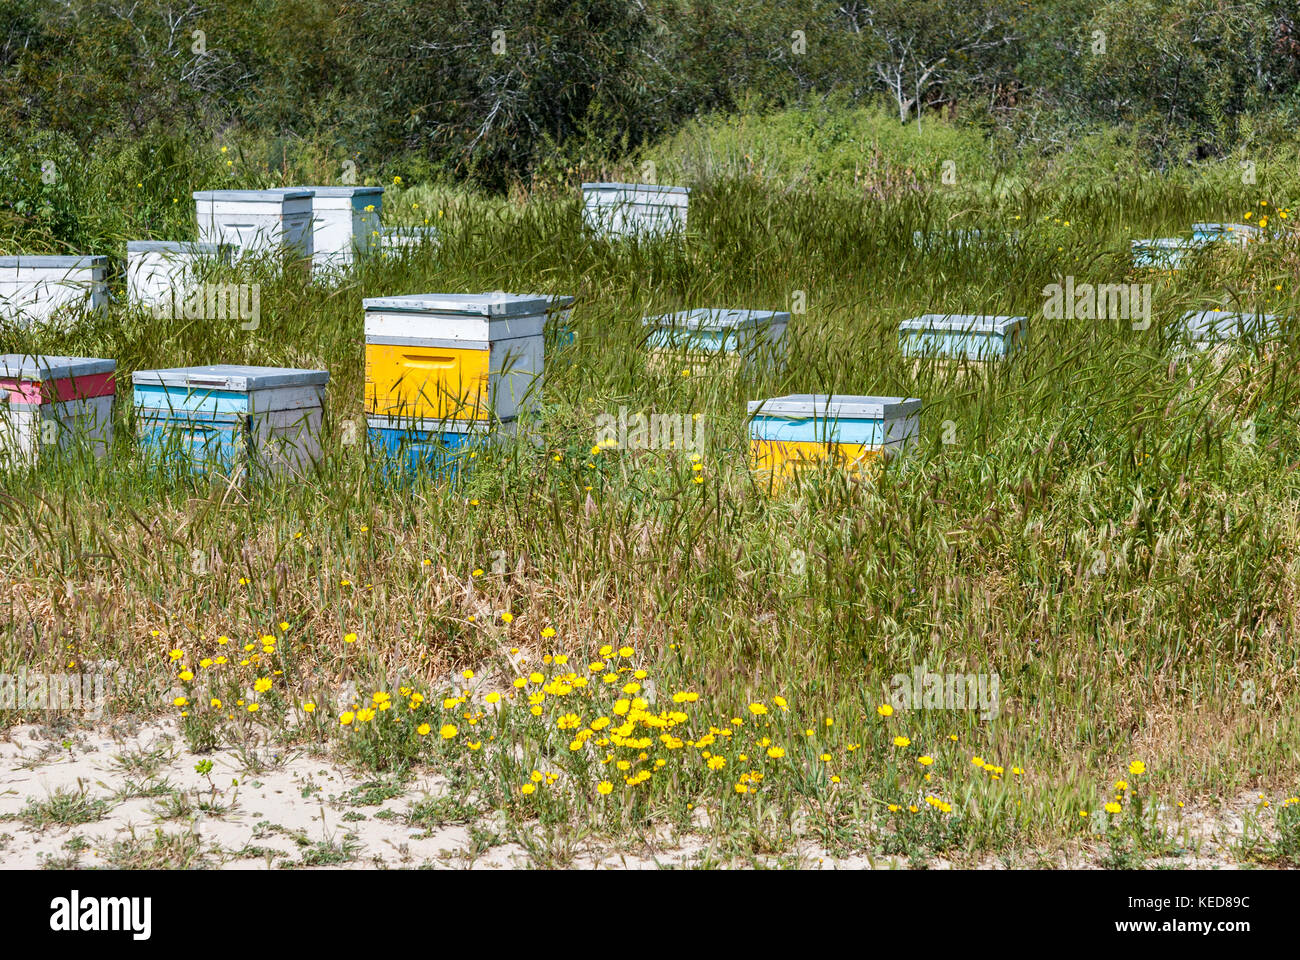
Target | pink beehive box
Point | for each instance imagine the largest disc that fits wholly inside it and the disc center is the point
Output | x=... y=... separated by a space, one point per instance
x=55 y=403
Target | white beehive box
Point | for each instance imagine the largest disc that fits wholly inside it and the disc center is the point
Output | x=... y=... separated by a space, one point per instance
x=38 y=289
x=464 y=356
x=344 y=224
x=156 y=269
x=55 y=403
x=1203 y=329
x=406 y=238
x=232 y=419
x=256 y=221
x=634 y=209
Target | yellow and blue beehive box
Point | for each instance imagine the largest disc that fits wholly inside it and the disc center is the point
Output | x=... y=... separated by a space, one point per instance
x=230 y=419
x=442 y=356
x=792 y=433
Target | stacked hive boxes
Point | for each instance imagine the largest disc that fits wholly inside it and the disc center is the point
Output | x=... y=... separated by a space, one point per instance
x=755 y=336
x=159 y=273
x=634 y=209
x=51 y=402
x=257 y=221
x=791 y=433
x=235 y=420
x=36 y=289
x=344 y=223
x=444 y=369
x=972 y=336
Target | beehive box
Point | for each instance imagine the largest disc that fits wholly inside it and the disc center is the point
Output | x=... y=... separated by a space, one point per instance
x=972 y=336
x=559 y=310
x=156 y=270
x=792 y=433
x=235 y=420
x=634 y=209
x=1239 y=233
x=1203 y=329
x=405 y=448
x=257 y=221
x=397 y=239
x=1161 y=253
x=344 y=224
x=752 y=335
x=40 y=289
x=475 y=356
x=49 y=402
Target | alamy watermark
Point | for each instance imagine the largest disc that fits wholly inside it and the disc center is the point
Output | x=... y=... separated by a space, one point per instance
x=926 y=690
x=1100 y=301
x=657 y=431
x=212 y=301
x=87 y=692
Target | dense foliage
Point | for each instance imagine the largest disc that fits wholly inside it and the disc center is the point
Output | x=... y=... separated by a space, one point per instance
x=502 y=90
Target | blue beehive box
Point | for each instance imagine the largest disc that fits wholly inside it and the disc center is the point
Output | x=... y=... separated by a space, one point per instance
x=1160 y=253
x=235 y=420
x=973 y=336
x=1207 y=328
x=749 y=334
x=1239 y=233
x=558 y=331
x=407 y=448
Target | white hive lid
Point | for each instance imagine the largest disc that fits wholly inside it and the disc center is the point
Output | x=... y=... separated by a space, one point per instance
x=716 y=319
x=273 y=195
x=225 y=376
x=173 y=246
x=964 y=322
x=642 y=187
x=26 y=366
x=462 y=304
x=824 y=406
x=340 y=191
x=56 y=261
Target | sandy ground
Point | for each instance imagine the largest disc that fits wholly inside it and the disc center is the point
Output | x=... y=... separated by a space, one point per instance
x=143 y=804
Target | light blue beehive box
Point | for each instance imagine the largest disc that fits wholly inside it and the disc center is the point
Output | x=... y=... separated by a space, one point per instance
x=235 y=420
x=1206 y=329
x=1239 y=233
x=961 y=335
x=752 y=335
x=1160 y=253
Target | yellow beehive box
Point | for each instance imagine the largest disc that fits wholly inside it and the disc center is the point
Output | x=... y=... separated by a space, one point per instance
x=454 y=356
x=788 y=435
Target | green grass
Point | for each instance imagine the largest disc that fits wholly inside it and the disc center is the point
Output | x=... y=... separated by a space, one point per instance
x=978 y=555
